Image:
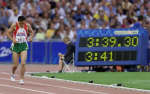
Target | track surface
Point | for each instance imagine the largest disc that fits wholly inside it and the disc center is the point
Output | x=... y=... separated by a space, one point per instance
x=47 y=86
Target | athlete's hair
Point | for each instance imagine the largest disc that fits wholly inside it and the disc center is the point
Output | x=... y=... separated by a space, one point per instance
x=21 y=18
x=66 y=39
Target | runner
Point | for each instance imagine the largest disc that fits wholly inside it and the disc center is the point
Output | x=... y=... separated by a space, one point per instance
x=19 y=46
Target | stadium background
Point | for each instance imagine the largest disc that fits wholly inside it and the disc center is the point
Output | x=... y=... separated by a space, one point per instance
x=51 y=20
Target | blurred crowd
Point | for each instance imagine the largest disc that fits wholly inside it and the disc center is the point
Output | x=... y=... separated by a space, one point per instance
x=54 y=19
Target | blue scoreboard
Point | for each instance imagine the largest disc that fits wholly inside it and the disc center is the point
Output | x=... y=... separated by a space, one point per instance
x=111 y=47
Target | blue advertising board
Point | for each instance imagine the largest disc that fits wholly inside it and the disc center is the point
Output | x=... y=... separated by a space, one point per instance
x=5 y=52
x=44 y=52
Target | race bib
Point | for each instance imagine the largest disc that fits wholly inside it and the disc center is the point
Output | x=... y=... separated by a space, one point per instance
x=21 y=36
x=20 y=39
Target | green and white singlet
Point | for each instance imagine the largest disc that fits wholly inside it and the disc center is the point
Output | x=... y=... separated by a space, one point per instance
x=20 y=35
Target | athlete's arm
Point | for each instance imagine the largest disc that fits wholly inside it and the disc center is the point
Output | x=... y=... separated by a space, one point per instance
x=10 y=30
x=30 y=31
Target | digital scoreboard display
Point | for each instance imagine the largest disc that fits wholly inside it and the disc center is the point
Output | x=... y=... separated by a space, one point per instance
x=107 y=56
x=128 y=41
x=111 y=47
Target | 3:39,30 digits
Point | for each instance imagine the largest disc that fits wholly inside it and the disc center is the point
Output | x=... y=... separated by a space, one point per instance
x=112 y=41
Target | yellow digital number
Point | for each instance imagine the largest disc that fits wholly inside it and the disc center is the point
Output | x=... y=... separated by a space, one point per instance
x=97 y=42
x=111 y=56
x=105 y=40
x=89 y=56
x=135 y=41
x=113 y=41
x=127 y=41
x=90 y=42
x=103 y=56
x=95 y=56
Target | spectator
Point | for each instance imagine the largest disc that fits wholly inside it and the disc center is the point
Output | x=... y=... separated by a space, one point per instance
x=61 y=32
x=3 y=36
x=75 y=14
x=50 y=32
x=126 y=5
x=148 y=15
x=124 y=23
x=40 y=35
x=120 y=15
x=72 y=34
x=44 y=21
x=14 y=15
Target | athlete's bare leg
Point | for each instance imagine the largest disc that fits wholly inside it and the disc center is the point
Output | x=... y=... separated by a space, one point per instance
x=23 y=62
x=61 y=64
x=15 y=62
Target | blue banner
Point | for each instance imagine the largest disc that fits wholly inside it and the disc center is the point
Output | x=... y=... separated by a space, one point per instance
x=5 y=52
x=38 y=52
x=56 y=48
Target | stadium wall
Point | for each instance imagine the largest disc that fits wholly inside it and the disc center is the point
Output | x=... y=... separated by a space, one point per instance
x=45 y=52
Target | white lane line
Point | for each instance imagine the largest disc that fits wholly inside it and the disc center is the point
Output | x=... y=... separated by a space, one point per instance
x=41 y=84
x=5 y=73
x=85 y=83
x=107 y=86
x=74 y=89
x=56 y=86
x=9 y=86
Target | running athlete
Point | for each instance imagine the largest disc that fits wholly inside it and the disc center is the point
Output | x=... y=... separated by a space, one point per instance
x=19 y=46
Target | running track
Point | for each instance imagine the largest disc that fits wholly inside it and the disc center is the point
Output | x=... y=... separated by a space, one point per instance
x=51 y=86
